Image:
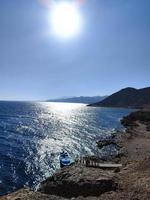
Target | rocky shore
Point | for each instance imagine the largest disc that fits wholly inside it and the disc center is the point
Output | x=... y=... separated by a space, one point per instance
x=79 y=181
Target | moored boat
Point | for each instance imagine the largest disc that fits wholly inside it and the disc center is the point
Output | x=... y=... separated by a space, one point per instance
x=64 y=159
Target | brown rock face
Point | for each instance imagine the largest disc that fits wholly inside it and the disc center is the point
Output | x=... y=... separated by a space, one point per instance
x=141 y=116
x=79 y=180
x=27 y=194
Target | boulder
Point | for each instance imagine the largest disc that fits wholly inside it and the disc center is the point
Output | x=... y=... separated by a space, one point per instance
x=79 y=180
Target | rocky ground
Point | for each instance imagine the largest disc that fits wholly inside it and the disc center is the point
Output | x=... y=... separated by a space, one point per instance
x=78 y=182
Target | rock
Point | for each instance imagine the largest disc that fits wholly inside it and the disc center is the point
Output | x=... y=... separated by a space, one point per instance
x=27 y=194
x=117 y=170
x=111 y=149
x=79 y=180
x=131 y=120
x=92 y=158
x=103 y=143
x=148 y=127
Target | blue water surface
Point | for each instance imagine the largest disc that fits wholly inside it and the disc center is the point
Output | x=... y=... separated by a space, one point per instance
x=32 y=134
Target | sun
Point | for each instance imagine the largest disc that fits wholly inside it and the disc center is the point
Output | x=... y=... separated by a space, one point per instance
x=65 y=19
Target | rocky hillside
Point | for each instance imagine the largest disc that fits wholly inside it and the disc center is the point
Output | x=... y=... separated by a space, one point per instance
x=127 y=98
x=141 y=115
x=79 y=180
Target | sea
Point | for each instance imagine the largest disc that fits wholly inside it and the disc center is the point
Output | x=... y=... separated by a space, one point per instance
x=32 y=134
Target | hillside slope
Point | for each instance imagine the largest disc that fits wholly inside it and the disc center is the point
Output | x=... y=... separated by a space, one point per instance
x=128 y=98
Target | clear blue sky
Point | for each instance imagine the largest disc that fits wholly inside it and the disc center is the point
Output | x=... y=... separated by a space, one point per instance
x=112 y=52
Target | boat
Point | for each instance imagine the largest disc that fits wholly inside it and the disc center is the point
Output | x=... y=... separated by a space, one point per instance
x=64 y=159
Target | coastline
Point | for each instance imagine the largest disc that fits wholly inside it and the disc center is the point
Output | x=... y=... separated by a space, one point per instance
x=131 y=181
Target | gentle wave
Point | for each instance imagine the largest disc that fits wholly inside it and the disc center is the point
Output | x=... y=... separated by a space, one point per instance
x=33 y=134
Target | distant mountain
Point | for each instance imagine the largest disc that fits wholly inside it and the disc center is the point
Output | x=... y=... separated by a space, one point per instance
x=128 y=98
x=81 y=99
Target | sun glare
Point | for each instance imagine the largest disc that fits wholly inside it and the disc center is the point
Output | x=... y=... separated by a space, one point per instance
x=65 y=19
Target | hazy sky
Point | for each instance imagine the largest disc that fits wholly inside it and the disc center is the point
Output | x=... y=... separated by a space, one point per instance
x=111 y=52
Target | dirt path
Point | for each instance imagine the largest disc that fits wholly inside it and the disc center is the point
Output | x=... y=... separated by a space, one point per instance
x=138 y=146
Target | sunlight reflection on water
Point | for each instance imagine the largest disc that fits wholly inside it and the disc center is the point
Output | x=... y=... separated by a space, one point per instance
x=33 y=134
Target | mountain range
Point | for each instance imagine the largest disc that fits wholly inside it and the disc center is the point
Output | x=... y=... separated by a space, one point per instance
x=81 y=99
x=127 y=98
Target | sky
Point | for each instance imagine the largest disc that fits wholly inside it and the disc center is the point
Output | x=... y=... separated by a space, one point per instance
x=112 y=50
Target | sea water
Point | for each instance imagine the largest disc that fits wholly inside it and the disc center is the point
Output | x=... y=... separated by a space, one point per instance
x=32 y=134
